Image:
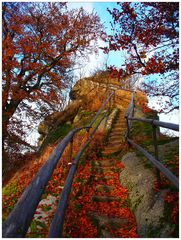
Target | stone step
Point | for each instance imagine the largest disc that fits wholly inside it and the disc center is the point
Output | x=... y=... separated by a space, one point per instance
x=113 y=147
x=104 y=233
x=111 y=151
x=114 y=142
x=115 y=133
x=119 y=127
x=104 y=179
x=105 y=163
x=104 y=188
x=96 y=198
x=105 y=170
x=120 y=120
x=120 y=123
x=105 y=221
x=116 y=129
x=122 y=112
x=117 y=138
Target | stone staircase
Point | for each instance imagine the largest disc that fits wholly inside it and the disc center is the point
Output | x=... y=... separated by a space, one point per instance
x=103 y=194
x=117 y=136
x=107 y=167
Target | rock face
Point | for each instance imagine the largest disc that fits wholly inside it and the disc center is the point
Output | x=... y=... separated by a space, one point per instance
x=147 y=205
x=87 y=95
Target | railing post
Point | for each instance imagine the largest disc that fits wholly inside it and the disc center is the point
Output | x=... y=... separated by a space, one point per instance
x=128 y=129
x=110 y=103
x=71 y=149
x=106 y=118
x=114 y=98
x=133 y=104
x=156 y=151
x=88 y=133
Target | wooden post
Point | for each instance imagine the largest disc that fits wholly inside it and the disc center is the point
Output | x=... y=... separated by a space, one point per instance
x=128 y=130
x=106 y=118
x=71 y=149
x=156 y=152
x=88 y=133
x=114 y=98
x=133 y=106
x=110 y=102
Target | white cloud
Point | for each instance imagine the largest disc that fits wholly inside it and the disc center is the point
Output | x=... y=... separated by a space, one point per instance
x=172 y=117
x=88 y=6
x=93 y=61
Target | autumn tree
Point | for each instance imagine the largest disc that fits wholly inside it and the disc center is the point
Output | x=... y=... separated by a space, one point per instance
x=149 y=34
x=40 y=43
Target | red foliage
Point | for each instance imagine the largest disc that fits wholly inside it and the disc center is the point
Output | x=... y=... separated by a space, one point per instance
x=77 y=223
x=40 y=42
x=171 y=198
x=141 y=28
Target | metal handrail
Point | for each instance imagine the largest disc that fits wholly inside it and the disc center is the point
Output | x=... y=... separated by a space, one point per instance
x=130 y=106
x=157 y=164
x=100 y=110
x=157 y=123
x=57 y=222
x=154 y=160
x=18 y=221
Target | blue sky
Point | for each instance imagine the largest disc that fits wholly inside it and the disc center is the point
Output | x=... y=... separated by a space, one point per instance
x=114 y=58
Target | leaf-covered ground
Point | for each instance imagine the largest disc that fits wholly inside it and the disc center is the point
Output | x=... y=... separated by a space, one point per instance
x=78 y=220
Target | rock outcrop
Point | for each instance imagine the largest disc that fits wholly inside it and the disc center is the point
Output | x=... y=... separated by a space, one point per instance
x=87 y=94
x=147 y=205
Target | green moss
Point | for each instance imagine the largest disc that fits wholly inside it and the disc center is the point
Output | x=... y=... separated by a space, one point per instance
x=153 y=232
x=127 y=202
x=9 y=189
x=167 y=217
x=166 y=140
x=84 y=118
x=35 y=231
x=137 y=202
x=141 y=129
x=95 y=222
x=87 y=113
x=78 y=206
x=61 y=131
x=46 y=208
x=58 y=133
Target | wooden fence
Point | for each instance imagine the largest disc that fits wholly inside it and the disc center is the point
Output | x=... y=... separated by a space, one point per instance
x=154 y=159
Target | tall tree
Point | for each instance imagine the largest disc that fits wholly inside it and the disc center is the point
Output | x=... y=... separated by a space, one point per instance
x=149 y=33
x=40 y=42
